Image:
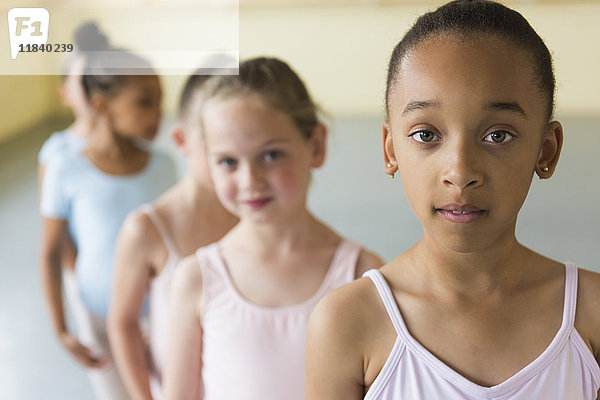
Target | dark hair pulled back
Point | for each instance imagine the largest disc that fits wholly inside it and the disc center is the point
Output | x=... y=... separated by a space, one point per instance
x=474 y=17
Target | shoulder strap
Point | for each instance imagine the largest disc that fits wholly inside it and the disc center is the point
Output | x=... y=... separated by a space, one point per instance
x=160 y=227
x=343 y=263
x=388 y=299
x=570 y=306
x=216 y=283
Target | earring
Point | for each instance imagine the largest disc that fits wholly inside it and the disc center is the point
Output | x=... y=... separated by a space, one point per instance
x=389 y=165
x=545 y=169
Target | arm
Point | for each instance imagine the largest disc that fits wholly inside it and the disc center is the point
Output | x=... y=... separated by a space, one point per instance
x=68 y=252
x=182 y=376
x=41 y=171
x=334 y=361
x=54 y=230
x=135 y=243
x=367 y=261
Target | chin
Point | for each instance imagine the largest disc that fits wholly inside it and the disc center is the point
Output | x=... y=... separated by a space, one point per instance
x=462 y=243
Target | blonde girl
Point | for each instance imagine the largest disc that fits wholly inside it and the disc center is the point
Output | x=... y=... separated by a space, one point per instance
x=240 y=307
x=152 y=241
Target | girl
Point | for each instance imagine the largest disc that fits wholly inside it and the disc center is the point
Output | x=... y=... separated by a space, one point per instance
x=89 y=193
x=152 y=241
x=87 y=37
x=240 y=306
x=468 y=312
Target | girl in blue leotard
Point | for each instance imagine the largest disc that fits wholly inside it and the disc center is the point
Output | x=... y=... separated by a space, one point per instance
x=87 y=196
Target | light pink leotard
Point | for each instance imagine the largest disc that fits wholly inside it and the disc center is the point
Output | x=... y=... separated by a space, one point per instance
x=251 y=352
x=159 y=305
x=566 y=370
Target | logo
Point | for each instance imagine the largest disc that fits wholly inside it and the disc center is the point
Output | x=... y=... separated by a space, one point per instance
x=27 y=26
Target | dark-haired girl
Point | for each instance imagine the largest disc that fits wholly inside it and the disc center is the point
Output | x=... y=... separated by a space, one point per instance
x=86 y=197
x=468 y=312
x=87 y=37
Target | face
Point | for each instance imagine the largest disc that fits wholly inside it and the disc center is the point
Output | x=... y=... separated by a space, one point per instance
x=135 y=110
x=466 y=132
x=259 y=161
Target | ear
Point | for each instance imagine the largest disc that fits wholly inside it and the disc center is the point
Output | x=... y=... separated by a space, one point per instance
x=180 y=139
x=318 y=142
x=550 y=150
x=389 y=155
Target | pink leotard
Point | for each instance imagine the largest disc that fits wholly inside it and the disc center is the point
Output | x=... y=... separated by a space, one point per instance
x=566 y=370
x=251 y=352
x=159 y=305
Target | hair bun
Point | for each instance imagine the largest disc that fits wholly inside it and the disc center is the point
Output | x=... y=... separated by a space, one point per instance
x=89 y=37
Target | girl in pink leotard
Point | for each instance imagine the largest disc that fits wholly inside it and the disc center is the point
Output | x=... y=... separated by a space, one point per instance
x=240 y=307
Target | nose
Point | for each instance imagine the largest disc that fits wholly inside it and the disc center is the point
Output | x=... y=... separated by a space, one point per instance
x=462 y=164
x=252 y=177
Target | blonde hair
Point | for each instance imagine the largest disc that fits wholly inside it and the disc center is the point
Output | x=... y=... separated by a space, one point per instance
x=276 y=84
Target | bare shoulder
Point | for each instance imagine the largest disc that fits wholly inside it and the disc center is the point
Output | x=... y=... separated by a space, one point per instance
x=339 y=335
x=139 y=244
x=188 y=275
x=345 y=313
x=587 y=319
x=367 y=260
x=139 y=230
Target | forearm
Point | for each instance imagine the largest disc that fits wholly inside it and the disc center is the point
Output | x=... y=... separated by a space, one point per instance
x=130 y=357
x=52 y=283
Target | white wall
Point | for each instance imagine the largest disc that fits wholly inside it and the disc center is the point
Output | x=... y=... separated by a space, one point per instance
x=342 y=54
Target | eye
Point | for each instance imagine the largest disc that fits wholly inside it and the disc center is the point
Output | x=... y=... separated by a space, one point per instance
x=499 y=137
x=272 y=155
x=424 y=136
x=227 y=162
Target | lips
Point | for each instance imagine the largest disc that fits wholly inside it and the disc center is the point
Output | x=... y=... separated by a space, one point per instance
x=461 y=214
x=257 y=203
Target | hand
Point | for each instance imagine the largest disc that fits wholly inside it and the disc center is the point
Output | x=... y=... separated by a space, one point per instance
x=81 y=353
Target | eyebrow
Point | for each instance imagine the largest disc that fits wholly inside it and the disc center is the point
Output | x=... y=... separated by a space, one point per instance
x=275 y=141
x=219 y=152
x=495 y=105
x=420 y=105
x=507 y=106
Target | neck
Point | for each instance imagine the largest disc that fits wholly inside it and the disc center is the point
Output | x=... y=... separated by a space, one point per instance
x=283 y=236
x=107 y=142
x=492 y=269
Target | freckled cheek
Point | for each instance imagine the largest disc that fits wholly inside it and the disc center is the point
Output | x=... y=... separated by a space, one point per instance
x=288 y=181
x=225 y=187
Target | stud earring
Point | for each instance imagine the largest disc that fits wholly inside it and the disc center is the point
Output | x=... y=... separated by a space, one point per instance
x=389 y=165
x=545 y=169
